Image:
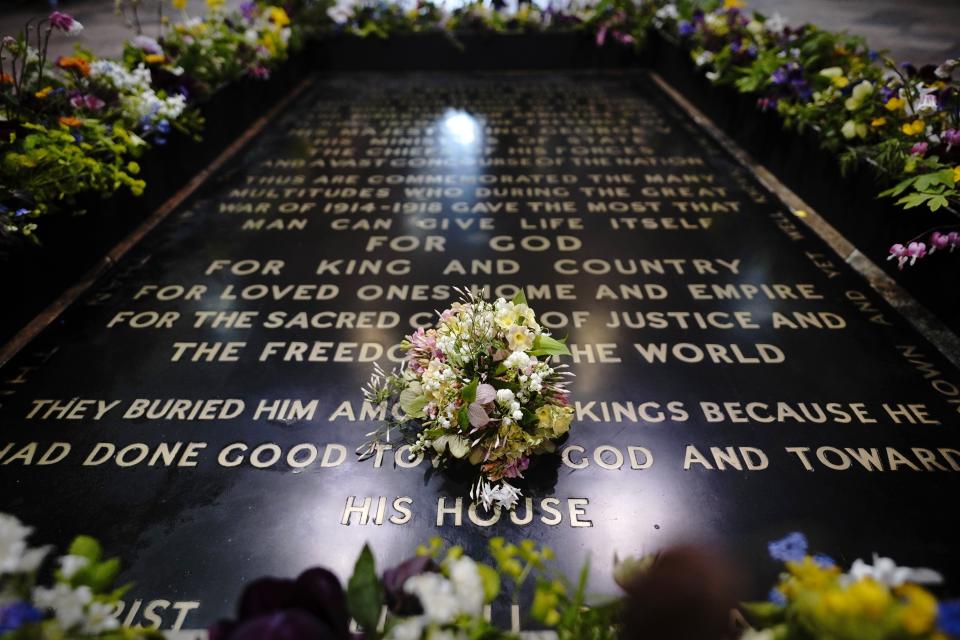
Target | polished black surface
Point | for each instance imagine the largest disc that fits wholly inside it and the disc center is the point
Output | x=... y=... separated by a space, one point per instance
x=637 y=188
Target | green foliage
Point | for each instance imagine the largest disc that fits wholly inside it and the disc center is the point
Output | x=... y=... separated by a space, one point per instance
x=364 y=593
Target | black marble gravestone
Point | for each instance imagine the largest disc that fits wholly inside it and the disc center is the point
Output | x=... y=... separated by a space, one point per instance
x=199 y=409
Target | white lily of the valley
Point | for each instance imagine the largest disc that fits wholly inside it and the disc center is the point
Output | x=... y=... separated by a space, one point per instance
x=886 y=572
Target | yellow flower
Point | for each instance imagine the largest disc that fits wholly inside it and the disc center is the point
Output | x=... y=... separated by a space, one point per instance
x=555 y=420
x=878 y=122
x=43 y=93
x=894 y=104
x=70 y=121
x=154 y=58
x=215 y=5
x=519 y=338
x=840 y=82
x=920 y=609
x=913 y=128
x=278 y=16
x=179 y=4
x=956 y=173
x=869 y=597
x=734 y=4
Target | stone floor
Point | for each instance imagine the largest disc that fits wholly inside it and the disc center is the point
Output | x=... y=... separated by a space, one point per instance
x=919 y=31
x=104 y=31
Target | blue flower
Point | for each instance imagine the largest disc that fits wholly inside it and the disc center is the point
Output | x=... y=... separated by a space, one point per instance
x=15 y=615
x=792 y=548
x=21 y=212
x=685 y=28
x=163 y=127
x=948 y=618
x=824 y=561
x=776 y=597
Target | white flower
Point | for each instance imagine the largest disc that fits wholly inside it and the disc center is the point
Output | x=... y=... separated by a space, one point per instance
x=504 y=396
x=668 y=12
x=886 y=572
x=927 y=103
x=69 y=565
x=436 y=595
x=507 y=496
x=468 y=584
x=66 y=603
x=703 y=58
x=15 y=555
x=342 y=10
x=488 y=495
x=517 y=360
x=407 y=629
x=753 y=634
x=775 y=23
x=100 y=618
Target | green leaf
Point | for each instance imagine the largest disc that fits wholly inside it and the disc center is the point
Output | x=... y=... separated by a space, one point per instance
x=469 y=393
x=100 y=577
x=764 y=614
x=547 y=346
x=520 y=298
x=86 y=547
x=463 y=418
x=491 y=582
x=898 y=189
x=412 y=401
x=364 y=597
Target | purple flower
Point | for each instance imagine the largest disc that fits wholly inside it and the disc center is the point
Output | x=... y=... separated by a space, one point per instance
x=249 y=10
x=64 y=22
x=948 y=618
x=147 y=44
x=686 y=28
x=16 y=614
x=824 y=561
x=93 y=103
x=736 y=47
x=399 y=601
x=791 y=548
x=951 y=136
x=776 y=597
x=919 y=149
x=780 y=76
x=766 y=104
x=516 y=468
x=312 y=606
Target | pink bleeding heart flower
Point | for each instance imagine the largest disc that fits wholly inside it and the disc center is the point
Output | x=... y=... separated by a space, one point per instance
x=938 y=241
x=954 y=238
x=916 y=250
x=898 y=252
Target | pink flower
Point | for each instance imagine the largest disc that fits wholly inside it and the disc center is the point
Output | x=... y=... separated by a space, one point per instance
x=516 y=468
x=919 y=149
x=65 y=22
x=938 y=241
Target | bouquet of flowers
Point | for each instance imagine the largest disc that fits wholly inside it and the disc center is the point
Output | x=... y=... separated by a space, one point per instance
x=478 y=387
x=80 y=603
x=815 y=598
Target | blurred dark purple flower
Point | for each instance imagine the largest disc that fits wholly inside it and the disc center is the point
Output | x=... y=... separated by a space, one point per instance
x=312 y=607
x=685 y=28
x=766 y=104
x=398 y=600
x=951 y=137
